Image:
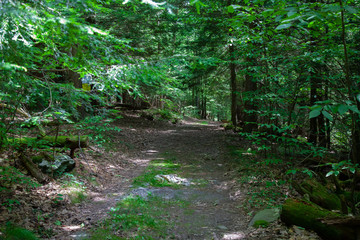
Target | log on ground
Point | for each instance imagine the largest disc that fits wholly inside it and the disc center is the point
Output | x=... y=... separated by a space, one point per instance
x=71 y=142
x=319 y=194
x=311 y=216
x=33 y=169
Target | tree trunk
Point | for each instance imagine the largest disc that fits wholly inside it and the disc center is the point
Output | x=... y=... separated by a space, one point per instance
x=233 y=84
x=317 y=135
x=250 y=117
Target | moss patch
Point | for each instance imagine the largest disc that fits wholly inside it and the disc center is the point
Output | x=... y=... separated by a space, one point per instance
x=308 y=215
x=260 y=223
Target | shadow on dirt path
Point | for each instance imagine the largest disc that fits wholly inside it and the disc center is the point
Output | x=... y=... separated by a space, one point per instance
x=200 y=149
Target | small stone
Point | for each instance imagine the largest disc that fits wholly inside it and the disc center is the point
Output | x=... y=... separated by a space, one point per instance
x=222 y=227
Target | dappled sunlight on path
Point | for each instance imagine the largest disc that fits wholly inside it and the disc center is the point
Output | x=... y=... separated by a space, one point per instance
x=199 y=152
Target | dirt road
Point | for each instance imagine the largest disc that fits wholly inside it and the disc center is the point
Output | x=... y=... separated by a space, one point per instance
x=199 y=148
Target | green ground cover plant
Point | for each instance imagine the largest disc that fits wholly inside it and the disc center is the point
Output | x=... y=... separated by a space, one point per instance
x=138 y=218
x=157 y=167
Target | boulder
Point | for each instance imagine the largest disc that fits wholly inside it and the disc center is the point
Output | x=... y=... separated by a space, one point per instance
x=265 y=216
x=60 y=164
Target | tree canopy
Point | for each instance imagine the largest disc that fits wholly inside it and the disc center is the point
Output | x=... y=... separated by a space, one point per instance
x=287 y=66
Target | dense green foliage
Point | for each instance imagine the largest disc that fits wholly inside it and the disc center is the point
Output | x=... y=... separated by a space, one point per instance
x=284 y=73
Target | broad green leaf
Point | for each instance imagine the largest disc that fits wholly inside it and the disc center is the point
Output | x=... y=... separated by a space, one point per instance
x=351 y=9
x=343 y=109
x=314 y=113
x=333 y=8
x=327 y=115
x=291 y=13
x=283 y=26
x=354 y=109
x=230 y=9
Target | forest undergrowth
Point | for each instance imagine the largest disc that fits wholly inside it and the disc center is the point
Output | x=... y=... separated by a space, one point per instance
x=228 y=179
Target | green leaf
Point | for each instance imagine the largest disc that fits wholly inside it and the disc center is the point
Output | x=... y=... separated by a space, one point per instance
x=351 y=9
x=327 y=115
x=283 y=26
x=329 y=174
x=342 y=109
x=314 y=113
x=291 y=171
x=333 y=8
x=230 y=9
x=354 y=109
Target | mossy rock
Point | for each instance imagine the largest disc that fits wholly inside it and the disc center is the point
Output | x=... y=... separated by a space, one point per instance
x=308 y=215
x=58 y=165
x=266 y=215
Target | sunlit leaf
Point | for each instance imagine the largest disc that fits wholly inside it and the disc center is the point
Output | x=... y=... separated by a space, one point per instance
x=153 y=4
x=329 y=174
x=230 y=9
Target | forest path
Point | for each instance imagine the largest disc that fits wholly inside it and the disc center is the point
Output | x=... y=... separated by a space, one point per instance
x=200 y=149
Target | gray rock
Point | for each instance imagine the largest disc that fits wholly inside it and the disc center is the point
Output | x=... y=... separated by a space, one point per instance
x=141 y=192
x=164 y=193
x=222 y=227
x=173 y=178
x=167 y=194
x=268 y=215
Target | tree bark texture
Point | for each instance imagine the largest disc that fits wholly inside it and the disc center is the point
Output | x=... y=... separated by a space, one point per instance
x=33 y=169
x=250 y=87
x=233 y=84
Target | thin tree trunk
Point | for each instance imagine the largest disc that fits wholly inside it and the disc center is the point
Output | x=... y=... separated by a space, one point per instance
x=233 y=84
x=250 y=117
x=355 y=126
